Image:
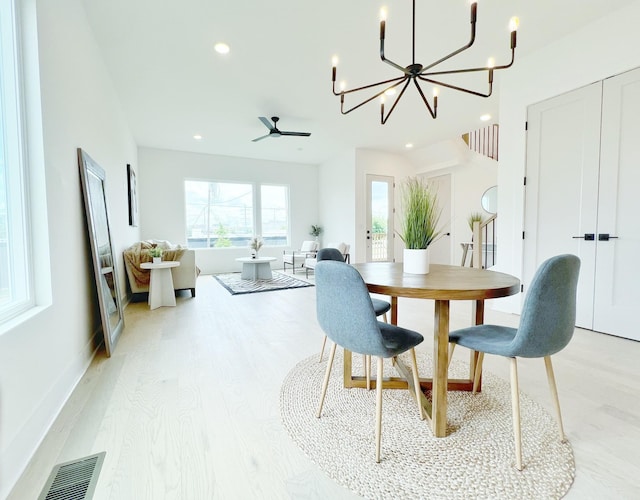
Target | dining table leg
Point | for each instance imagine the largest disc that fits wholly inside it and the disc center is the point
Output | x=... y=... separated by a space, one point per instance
x=440 y=364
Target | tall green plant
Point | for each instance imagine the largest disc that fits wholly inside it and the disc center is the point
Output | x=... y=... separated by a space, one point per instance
x=421 y=214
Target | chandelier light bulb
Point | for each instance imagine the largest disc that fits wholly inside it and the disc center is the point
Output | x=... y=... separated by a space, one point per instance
x=491 y=62
x=343 y=85
x=390 y=92
x=436 y=91
x=514 y=23
x=383 y=14
x=334 y=61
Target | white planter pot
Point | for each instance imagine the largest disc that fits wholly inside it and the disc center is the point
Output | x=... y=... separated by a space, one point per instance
x=416 y=261
x=157 y=260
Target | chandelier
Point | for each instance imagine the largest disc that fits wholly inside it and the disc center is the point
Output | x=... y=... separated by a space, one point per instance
x=417 y=73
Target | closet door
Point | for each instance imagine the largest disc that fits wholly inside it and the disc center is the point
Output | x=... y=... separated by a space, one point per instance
x=563 y=150
x=617 y=291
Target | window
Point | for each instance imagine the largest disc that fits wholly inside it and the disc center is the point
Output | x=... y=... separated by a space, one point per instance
x=274 y=201
x=15 y=287
x=227 y=214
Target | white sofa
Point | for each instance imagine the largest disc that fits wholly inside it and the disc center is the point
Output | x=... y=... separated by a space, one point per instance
x=184 y=276
x=310 y=263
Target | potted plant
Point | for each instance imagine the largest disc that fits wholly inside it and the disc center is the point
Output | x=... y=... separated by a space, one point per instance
x=421 y=216
x=156 y=254
x=474 y=217
x=256 y=245
x=315 y=231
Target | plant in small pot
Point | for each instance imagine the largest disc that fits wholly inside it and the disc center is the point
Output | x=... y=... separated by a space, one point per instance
x=156 y=254
x=473 y=218
x=315 y=231
x=420 y=219
x=256 y=245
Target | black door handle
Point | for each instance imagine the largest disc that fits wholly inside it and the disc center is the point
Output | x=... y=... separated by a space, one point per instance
x=586 y=237
x=606 y=237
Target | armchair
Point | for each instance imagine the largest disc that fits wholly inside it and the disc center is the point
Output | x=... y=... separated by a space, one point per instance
x=296 y=258
x=310 y=262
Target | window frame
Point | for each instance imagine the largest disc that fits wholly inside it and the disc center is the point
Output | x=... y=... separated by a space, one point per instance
x=19 y=272
x=256 y=209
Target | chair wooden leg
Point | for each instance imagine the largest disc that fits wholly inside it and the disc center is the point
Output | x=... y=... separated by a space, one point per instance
x=327 y=374
x=452 y=346
x=515 y=408
x=367 y=369
x=478 y=372
x=324 y=342
x=554 y=393
x=416 y=381
x=379 y=408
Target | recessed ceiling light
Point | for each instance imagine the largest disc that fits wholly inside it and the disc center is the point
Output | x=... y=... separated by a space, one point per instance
x=408 y=145
x=485 y=118
x=197 y=137
x=221 y=48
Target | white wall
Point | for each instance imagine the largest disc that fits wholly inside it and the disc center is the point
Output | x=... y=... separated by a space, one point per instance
x=602 y=49
x=43 y=358
x=337 y=211
x=161 y=176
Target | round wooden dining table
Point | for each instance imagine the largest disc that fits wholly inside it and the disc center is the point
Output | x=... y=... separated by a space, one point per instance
x=442 y=284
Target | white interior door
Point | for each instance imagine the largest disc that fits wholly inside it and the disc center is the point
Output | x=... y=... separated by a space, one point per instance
x=617 y=294
x=563 y=142
x=380 y=229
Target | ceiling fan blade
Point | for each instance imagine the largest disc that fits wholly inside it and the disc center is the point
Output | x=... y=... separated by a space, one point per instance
x=266 y=122
x=299 y=134
x=260 y=138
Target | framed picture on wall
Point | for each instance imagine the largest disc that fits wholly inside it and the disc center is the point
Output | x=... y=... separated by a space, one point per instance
x=133 y=196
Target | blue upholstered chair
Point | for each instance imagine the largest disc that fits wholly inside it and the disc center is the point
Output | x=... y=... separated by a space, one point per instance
x=345 y=313
x=546 y=327
x=381 y=307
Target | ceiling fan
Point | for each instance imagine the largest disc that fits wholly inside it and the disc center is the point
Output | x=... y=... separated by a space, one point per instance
x=273 y=129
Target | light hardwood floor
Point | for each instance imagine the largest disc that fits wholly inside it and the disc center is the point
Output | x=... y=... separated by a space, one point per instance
x=188 y=406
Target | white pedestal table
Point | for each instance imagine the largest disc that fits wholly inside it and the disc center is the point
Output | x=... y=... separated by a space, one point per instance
x=161 y=292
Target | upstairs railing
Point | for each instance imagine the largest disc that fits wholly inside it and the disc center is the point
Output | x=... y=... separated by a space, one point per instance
x=484 y=243
x=484 y=141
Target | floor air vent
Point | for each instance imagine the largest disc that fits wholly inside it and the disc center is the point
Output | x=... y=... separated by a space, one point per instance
x=75 y=480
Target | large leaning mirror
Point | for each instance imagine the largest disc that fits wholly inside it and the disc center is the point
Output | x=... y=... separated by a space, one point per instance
x=104 y=263
x=489 y=200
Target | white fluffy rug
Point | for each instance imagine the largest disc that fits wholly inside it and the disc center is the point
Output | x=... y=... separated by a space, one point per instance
x=475 y=460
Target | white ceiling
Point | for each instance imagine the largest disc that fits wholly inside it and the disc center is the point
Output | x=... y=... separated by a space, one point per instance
x=172 y=84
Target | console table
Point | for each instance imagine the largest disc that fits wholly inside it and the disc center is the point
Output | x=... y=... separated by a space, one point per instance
x=161 y=292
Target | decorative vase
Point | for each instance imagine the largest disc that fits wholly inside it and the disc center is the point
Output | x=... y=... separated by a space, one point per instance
x=157 y=260
x=416 y=261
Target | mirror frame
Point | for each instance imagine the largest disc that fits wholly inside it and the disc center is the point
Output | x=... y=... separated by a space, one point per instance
x=490 y=196
x=95 y=204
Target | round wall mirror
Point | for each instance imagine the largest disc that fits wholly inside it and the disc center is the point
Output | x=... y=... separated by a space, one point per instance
x=489 y=200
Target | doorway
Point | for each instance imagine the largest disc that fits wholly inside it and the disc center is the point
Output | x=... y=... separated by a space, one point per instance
x=379 y=227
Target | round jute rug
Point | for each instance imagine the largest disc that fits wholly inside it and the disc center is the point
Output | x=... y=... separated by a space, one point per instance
x=475 y=460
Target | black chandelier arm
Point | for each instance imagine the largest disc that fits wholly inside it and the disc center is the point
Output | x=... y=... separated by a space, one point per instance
x=375 y=96
x=433 y=111
x=389 y=61
x=470 y=70
x=383 y=82
x=384 y=119
x=472 y=40
x=460 y=89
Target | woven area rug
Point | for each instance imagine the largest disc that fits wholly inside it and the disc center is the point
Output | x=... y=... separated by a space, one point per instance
x=475 y=460
x=237 y=286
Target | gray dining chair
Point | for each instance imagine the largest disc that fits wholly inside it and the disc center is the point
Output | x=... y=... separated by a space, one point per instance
x=345 y=313
x=381 y=307
x=546 y=327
